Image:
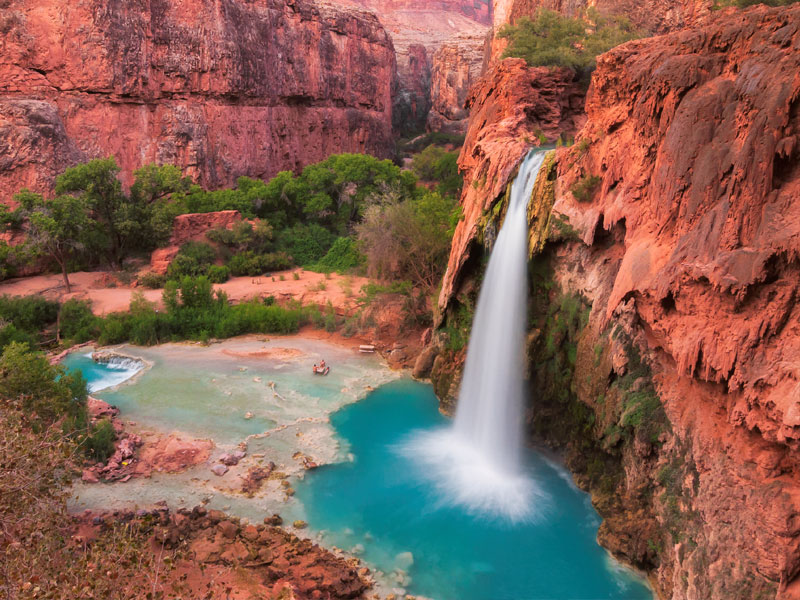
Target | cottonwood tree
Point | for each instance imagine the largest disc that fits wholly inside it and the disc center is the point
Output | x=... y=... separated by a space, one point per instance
x=55 y=228
x=118 y=223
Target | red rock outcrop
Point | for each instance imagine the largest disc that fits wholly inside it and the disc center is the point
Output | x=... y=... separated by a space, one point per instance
x=221 y=556
x=221 y=88
x=510 y=107
x=686 y=251
x=191 y=227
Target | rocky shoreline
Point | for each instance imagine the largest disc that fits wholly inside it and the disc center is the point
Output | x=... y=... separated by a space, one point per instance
x=223 y=555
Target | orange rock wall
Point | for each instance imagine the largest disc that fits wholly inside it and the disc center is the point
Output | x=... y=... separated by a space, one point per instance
x=689 y=246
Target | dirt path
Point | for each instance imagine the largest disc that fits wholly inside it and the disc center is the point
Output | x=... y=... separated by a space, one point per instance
x=108 y=295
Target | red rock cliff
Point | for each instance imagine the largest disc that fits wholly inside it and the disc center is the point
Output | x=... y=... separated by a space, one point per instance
x=696 y=139
x=687 y=253
x=221 y=88
x=419 y=28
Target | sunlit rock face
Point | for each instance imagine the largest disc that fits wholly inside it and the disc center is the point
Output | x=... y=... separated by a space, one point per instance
x=222 y=88
x=684 y=252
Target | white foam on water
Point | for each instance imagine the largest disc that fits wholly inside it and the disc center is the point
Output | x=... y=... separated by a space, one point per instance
x=117 y=370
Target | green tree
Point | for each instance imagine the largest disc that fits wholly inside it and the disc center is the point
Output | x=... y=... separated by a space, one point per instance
x=154 y=182
x=435 y=163
x=56 y=228
x=337 y=189
x=118 y=223
x=43 y=391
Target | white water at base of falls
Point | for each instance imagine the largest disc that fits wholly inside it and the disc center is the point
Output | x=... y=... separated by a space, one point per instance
x=476 y=463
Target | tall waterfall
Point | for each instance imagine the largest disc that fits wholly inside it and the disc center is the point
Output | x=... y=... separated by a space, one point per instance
x=476 y=462
x=491 y=395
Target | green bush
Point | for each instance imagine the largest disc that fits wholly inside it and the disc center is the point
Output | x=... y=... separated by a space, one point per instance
x=10 y=333
x=43 y=391
x=28 y=313
x=195 y=312
x=305 y=243
x=250 y=264
x=554 y=40
x=218 y=273
x=343 y=256
x=153 y=281
x=437 y=164
x=585 y=187
x=76 y=322
x=193 y=260
x=99 y=444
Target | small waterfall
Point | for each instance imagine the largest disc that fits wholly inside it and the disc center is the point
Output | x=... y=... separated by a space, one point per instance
x=111 y=369
x=476 y=462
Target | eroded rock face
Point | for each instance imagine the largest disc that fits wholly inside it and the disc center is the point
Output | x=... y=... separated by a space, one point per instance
x=510 y=107
x=684 y=256
x=221 y=88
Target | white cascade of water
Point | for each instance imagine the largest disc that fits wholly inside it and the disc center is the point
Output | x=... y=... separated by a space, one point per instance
x=476 y=462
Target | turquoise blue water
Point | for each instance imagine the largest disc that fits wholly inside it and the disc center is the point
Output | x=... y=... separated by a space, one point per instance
x=381 y=502
x=100 y=376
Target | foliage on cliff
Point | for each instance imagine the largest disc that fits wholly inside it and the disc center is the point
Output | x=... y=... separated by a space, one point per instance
x=551 y=39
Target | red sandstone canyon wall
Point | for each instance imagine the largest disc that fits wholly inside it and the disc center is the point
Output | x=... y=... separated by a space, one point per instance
x=689 y=249
x=221 y=88
x=419 y=30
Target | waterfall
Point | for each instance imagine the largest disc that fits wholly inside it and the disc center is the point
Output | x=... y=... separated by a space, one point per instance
x=476 y=462
x=490 y=400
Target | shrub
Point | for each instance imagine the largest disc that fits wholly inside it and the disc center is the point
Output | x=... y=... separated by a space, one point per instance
x=42 y=391
x=342 y=257
x=585 y=187
x=305 y=244
x=28 y=313
x=153 y=281
x=76 y=322
x=218 y=273
x=99 y=444
x=251 y=264
x=193 y=259
x=554 y=40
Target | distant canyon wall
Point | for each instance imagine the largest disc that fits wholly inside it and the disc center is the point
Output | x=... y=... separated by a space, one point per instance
x=439 y=47
x=222 y=88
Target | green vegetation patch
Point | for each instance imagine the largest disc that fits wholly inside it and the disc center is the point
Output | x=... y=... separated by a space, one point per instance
x=584 y=189
x=550 y=39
